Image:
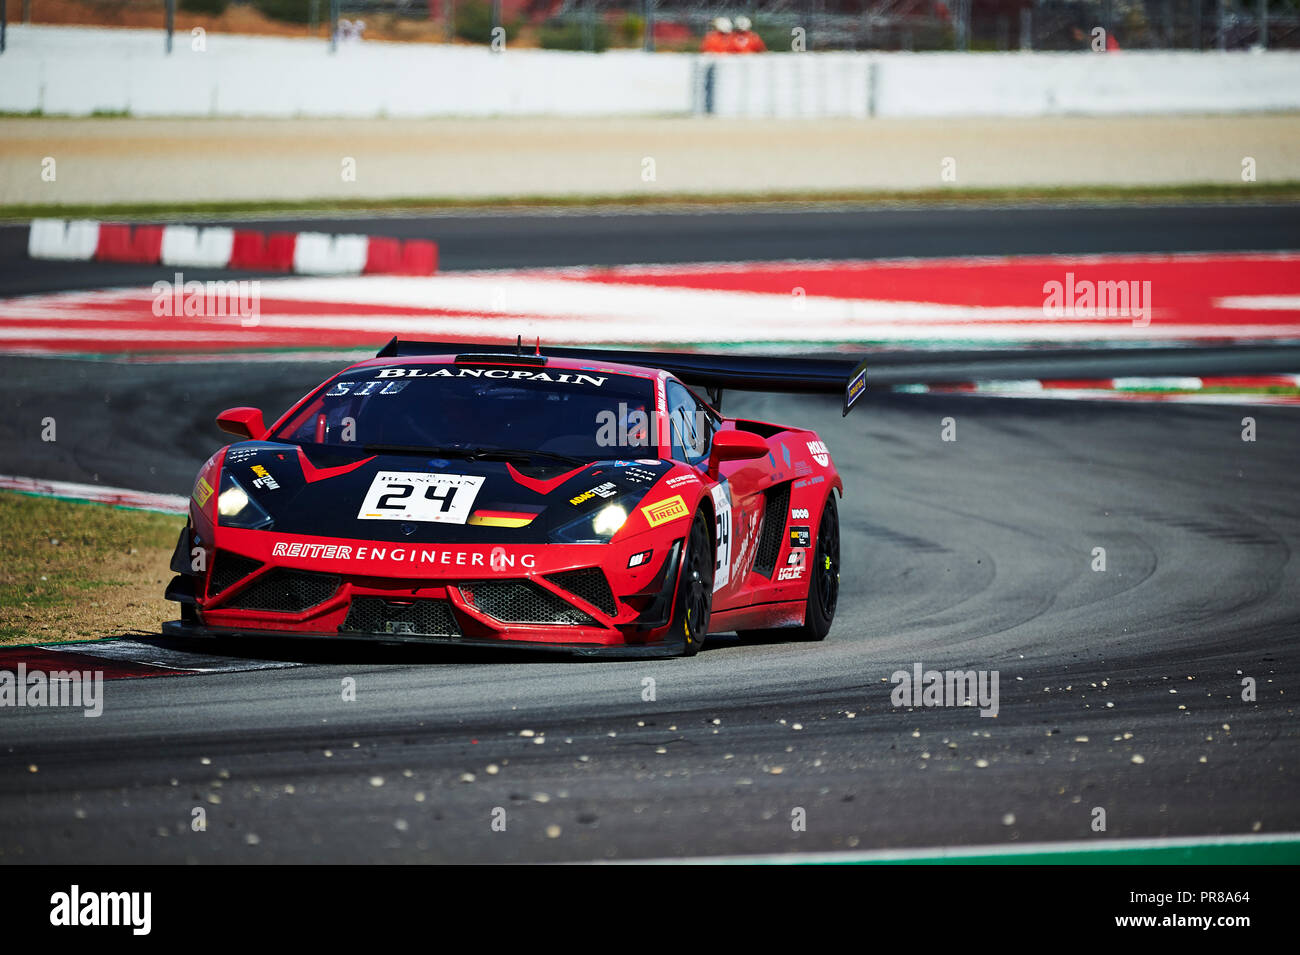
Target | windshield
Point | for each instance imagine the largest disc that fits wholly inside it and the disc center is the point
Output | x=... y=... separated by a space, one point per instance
x=590 y=415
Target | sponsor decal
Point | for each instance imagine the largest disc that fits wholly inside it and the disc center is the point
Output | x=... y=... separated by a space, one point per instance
x=785 y=454
x=264 y=478
x=498 y=559
x=421 y=497
x=661 y=512
x=722 y=511
x=856 y=387
x=640 y=475
x=746 y=523
x=202 y=491
x=665 y=436
x=819 y=452
x=680 y=479
x=812 y=480
x=649 y=462
x=605 y=490
x=360 y=389
x=795 y=558
x=800 y=537
x=798 y=513
x=790 y=573
x=240 y=455
x=562 y=378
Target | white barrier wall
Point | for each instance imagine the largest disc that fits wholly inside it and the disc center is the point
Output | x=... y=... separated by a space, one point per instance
x=1048 y=84
x=79 y=71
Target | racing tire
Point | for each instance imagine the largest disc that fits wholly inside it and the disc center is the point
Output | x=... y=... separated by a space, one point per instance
x=693 y=603
x=823 y=577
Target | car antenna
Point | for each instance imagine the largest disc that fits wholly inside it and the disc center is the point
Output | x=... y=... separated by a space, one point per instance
x=519 y=345
x=539 y=345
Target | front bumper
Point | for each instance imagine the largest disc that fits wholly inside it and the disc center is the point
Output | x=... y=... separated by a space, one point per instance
x=568 y=601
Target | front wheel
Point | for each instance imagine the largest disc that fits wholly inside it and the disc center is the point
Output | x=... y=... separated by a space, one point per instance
x=694 y=601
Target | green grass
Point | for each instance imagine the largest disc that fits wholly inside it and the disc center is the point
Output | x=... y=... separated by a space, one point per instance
x=72 y=569
x=1194 y=192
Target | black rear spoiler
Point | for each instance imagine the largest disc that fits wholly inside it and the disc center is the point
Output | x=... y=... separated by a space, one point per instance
x=846 y=377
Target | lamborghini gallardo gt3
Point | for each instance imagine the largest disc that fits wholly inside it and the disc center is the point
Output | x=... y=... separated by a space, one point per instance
x=569 y=499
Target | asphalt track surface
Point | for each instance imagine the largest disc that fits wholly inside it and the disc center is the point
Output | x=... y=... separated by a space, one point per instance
x=976 y=553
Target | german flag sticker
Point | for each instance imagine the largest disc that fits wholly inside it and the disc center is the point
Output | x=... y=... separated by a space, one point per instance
x=661 y=512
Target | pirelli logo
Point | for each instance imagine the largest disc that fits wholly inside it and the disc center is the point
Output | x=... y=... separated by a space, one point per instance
x=661 y=512
x=202 y=491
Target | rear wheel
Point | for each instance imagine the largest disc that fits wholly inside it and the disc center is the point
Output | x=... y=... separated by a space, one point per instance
x=694 y=602
x=823 y=577
x=823 y=585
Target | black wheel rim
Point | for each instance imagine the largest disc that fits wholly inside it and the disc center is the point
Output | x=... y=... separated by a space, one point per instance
x=699 y=584
x=828 y=560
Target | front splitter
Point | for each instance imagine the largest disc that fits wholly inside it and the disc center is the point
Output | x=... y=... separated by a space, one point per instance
x=184 y=630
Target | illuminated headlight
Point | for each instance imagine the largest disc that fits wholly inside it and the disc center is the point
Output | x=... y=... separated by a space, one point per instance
x=236 y=509
x=231 y=501
x=596 y=526
x=609 y=519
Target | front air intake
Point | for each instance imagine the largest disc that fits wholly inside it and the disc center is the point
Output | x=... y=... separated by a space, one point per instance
x=285 y=591
x=375 y=616
x=590 y=584
x=522 y=601
x=228 y=569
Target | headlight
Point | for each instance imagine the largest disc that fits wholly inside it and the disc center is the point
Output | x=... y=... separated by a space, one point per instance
x=236 y=509
x=599 y=525
x=609 y=519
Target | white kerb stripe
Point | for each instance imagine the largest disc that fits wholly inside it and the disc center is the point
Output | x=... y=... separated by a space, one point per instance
x=317 y=253
x=60 y=239
x=208 y=248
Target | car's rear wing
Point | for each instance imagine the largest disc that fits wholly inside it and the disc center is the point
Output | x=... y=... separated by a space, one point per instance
x=846 y=377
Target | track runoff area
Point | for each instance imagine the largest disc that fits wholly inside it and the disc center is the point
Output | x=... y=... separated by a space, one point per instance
x=950 y=303
x=953 y=304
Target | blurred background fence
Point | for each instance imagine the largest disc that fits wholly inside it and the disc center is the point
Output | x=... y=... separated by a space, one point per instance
x=679 y=25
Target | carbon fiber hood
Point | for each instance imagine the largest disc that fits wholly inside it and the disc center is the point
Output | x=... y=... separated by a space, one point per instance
x=415 y=498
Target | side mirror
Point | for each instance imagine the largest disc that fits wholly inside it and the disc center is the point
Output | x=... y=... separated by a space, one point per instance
x=242 y=422
x=735 y=446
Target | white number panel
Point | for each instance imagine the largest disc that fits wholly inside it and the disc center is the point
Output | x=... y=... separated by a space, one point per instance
x=417 y=496
x=722 y=507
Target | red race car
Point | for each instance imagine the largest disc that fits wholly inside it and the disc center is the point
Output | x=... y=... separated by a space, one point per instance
x=579 y=500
